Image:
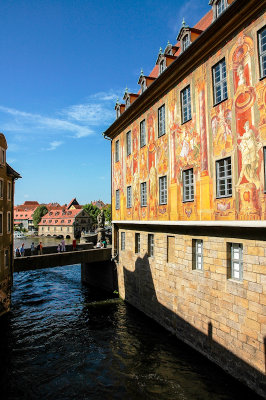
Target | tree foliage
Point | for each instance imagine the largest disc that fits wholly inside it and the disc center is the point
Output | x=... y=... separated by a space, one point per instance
x=93 y=212
x=108 y=213
x=38 y=214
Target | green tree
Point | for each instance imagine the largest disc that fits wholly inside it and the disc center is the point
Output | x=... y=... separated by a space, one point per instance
x=93 y=212
x=38 y=214
x=108 y=213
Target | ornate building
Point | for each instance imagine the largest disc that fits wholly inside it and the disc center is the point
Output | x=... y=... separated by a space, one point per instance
x=189 y=188
x=7 y=185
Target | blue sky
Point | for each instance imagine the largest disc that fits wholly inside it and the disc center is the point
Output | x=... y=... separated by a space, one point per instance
x=63 y=65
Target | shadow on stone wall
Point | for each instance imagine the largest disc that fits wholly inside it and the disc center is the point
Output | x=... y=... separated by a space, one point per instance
x=140 y=292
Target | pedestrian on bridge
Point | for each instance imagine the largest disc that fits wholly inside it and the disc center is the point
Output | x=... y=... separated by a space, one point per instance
x=32 y=249
x=22 y=250
x=63 y=246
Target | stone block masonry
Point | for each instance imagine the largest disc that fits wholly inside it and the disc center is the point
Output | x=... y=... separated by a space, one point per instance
x=222 y=317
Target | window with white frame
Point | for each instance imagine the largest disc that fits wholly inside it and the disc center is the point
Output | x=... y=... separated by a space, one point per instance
x=220 y=7
x=117 y=151
x=185 y=42
x=161 y=121
x=236 y=261
x=1 y=223
x=8 y=222
x=142 y=133
x=6 y=258
x=262 y=51
x=143 y=85
x=143 y=194
x=197 y=246
x=137 y=243
x=188 y=185
x=162 y=66
x=117 y=199
x=128 y=143
x=9 y=191
x=150 y=245
x=123 y=240
x=219 y=82
x=129 y=196
x=224 y=178
x=127 y=102
x=186 y=104
x=1 y=188
x=163 y=189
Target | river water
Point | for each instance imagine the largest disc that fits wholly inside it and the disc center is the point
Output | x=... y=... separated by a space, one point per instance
x=61 y=341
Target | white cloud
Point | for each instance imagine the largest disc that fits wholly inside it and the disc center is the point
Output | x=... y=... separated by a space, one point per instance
x=54 y=145
x=78 y=120
x=106 y=96
x=29 y=122
x=92 y=114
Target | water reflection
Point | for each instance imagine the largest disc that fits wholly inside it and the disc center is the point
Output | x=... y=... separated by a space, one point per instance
x=61 y=341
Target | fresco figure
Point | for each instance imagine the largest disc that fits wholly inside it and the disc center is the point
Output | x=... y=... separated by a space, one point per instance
x=249 y=148
x=241 y=76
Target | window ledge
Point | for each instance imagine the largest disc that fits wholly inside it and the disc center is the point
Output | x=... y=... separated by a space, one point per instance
x=217 y=104
x=233 y=280
x=190 y=119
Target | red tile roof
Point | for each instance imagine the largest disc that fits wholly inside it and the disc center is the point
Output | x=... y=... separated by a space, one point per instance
x=60 y=217
x=155 y=72
x=203 y=24
x=23 y=215
x=205 y=21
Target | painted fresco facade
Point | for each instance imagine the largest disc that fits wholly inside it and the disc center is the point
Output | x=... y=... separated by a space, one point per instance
x=234 y=128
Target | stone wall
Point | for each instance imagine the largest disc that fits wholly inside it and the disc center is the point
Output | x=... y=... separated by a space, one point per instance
x=221 y=317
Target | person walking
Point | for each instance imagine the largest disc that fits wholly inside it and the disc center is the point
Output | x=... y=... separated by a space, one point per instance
x=63 y=245
x=32 y=248
x=41 y=247
x=38 y=249
x=59 y=248
x=18 y=252
x=22 y=250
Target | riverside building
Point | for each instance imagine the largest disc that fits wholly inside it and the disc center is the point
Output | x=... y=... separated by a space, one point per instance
x=189 y=189
x=7 y=186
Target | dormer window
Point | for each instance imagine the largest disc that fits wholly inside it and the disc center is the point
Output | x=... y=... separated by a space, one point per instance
x=162 y=66
x=187 y=35
x=218 y=6
x=185 y=42
x=127 y=102
x=143 y=86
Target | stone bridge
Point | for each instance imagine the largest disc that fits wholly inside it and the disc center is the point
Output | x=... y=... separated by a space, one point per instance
x=97 y=268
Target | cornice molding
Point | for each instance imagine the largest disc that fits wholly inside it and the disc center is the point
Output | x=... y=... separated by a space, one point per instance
x=219 y=32
x=235 y=223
